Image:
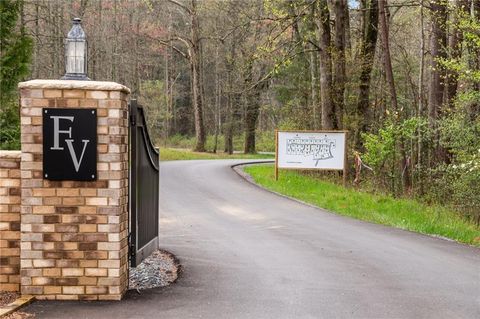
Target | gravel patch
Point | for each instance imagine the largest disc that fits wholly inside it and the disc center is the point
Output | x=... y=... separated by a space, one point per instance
x=19 y=315
x=7 y=297
x=160 y=269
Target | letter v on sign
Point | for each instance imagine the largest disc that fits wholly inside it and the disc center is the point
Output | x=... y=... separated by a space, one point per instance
x=76 y=162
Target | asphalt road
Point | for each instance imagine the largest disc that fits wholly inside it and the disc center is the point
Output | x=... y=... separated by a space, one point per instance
x=248 y=253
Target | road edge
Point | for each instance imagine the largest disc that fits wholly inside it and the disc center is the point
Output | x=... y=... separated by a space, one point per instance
x=238 y=168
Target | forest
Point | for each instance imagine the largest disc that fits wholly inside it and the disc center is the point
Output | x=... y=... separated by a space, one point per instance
x=401 y=76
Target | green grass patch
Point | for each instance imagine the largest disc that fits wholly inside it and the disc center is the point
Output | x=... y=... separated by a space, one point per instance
x=377 y=208
x=264 y=141
x=170 y=154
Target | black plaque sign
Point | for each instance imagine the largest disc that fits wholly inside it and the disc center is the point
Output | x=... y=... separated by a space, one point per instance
x=70 y=144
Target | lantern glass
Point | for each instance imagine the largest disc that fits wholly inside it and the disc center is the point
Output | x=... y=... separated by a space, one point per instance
x=76 y=53
x=76 y=57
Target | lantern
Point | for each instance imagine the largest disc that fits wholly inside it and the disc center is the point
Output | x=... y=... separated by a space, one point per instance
x=76 y=53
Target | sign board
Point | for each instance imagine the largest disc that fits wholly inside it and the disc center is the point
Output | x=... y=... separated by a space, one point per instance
x=69 y=144
x=322 y=150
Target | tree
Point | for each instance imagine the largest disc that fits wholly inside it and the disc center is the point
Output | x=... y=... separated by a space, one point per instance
x=339 y=59
x=404 y=169
x=438 y=46
x=325 y=58
x=366 y=56
x=15 y=55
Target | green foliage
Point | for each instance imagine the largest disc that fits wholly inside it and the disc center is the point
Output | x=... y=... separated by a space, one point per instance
x=9 y=126
x=377 y=208
x=152 y=97
x=15 y=54
x=460 y=130
x=16 y=48
x=379 y=147
x=458 y=183
x=382 y=146
x=465 y=67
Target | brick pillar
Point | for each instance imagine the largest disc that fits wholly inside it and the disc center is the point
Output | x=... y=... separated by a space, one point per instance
x=74 y=233
x=10 y=220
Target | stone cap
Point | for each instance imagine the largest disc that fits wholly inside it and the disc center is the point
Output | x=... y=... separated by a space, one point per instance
x=10 y=154
x=75 y=85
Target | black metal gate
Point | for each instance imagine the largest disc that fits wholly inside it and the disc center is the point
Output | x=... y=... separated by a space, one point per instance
x=143 y=188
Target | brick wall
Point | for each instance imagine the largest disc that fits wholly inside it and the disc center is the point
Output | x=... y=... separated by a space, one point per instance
x=74 y=234
x=10 y=220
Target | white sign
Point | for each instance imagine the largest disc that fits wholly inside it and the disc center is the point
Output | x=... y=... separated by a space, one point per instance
x=311 y=150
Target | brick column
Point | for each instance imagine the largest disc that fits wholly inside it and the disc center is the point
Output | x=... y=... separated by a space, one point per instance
x=74 y=233
x=10 y=220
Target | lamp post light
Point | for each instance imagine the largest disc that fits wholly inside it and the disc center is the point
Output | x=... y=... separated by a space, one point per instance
x=76 y=53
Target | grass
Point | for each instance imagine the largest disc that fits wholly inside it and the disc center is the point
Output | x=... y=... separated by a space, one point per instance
x=377 y=208
x=170 y=154
x=264 y=141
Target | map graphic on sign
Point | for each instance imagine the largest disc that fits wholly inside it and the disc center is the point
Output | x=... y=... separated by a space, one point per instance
x=311 y=149
x=318 y=148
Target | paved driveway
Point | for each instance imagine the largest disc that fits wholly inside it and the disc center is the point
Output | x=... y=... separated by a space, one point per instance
x=248 y=253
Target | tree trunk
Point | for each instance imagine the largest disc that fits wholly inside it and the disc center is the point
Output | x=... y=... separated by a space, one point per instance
x=366 y=58
x=251 y=116
x=217 y=99
x=313 y=63
x=437 y=50
x=437 y=73
x=348 y=41
x=325 y=59
x=339 y=61
x=404 y=169
x=230 y=100
x=196 y=81
x=314 y=87
x=421 y=93
x=455 y=52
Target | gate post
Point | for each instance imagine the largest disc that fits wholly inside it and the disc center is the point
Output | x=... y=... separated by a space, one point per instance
x=74 y=236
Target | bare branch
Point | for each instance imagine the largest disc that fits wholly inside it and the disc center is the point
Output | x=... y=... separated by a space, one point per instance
x=169 y=44
x=181 y=6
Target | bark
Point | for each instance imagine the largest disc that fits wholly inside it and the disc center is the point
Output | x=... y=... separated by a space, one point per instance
x=114 y=74
x=217 y=115
x=348 y=41
x=366 y=58
x=325 y=59
x=420 y=114
x=314 y=87
x=251 y=117
x=196 y=80
x=37 y=39
x=404 y=169
x=339 y=61
x=313 y=64
x=437 y=49
x=230 y=99
x=437 y=73
x=167 y=92
x=455 y=52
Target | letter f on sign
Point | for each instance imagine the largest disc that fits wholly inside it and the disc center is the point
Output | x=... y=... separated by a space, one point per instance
x=57 y=131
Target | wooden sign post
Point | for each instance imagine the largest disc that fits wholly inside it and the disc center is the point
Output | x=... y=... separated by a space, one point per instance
x=311 y=150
